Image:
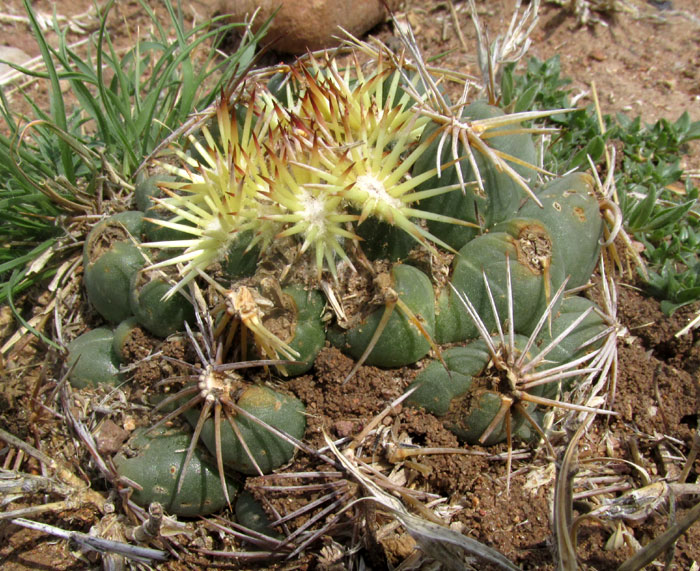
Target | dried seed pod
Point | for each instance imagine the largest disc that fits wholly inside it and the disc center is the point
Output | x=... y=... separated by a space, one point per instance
x=155 y=462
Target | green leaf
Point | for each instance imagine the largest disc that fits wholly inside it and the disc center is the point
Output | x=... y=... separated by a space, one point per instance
x=641 y=212
x=594 y=149
x=669 y=216
x=526 y=99
x=507 y=86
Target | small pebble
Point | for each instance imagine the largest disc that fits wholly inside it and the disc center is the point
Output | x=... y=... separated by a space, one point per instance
x=343 y=428
x=110 y=437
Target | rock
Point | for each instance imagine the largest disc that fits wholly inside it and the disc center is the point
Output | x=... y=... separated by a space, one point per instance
x=309 y=24
x=110 y=437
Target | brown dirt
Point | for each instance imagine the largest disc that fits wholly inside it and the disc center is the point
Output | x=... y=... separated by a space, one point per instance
x=643 y=62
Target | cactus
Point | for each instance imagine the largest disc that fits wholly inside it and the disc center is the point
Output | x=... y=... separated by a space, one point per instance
x=265 y=450
x=250 y=428
x=110 y=259
x=502 y=194
x=421 y=223
x=156 y=462
x=123 y=335
x=250 y=514
x=571 y=213
x=403 y=338
x=526 y=247
x=468 y=392
x=93 y=360
x=439 y=383
x=585 y=338
x=160 y=317
x=309 y=333
x=486 y=390
x=340 y=178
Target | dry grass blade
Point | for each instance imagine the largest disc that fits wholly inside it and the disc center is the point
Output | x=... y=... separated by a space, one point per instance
x=89 y=542
x=453 y=550
x=268 y=547
x=509 y=48
x=661 y=543
x=563 y=501
x=77 y=492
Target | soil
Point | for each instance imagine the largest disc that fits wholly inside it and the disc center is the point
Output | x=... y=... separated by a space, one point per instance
x=644 y=59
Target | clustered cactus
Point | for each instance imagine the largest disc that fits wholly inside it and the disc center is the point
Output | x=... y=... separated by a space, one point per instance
x=344 y=205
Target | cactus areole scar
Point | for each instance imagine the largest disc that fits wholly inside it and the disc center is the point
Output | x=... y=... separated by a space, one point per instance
x=534 y=249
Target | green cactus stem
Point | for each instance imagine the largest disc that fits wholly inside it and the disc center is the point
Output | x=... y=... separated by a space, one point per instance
x=250 y=514
x=111 y=258
x=502 y=193
x=571 y=212
x=502 y=377
x=92 y=359
x=161 y=317
x=535 y=268
x=248 y=447
x=308 y=331
x=123 y=334
x=469 y=394
x=406 y=335
x=155 y=461
x=241 y=259
x=147 y=188
x=440 y=382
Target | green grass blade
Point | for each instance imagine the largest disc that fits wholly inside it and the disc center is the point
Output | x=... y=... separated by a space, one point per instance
x=58 y=109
